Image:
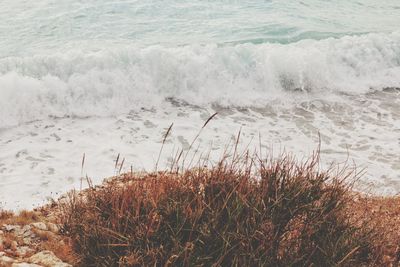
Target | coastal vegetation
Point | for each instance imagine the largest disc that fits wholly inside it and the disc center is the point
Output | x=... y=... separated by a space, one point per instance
x=243 y=211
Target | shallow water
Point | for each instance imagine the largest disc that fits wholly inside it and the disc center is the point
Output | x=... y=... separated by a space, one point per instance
x=43 y=158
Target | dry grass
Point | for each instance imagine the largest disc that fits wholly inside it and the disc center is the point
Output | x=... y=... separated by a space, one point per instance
x=62 y=248
x=383 y=214
x=241 y=212
x=5 y=215
x=8 y=241
x=24 y=217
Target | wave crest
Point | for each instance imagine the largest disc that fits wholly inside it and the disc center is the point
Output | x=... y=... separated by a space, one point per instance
x=119 y=79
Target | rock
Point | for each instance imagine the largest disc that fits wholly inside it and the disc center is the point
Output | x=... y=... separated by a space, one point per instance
x=39 y=225
x=26 y=231
x=24 y=264
x=24 y=251
x=14 y=246
x=53 y=228
x=45 y=235
x=48 y=259
x=1 y=232
x=51 y=217
x=27 y=241
x=11 y=228
x=6 y=261
x=27 y=235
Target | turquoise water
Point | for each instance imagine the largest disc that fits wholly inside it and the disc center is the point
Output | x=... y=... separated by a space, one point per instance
x=90 y=58
x=28 y=27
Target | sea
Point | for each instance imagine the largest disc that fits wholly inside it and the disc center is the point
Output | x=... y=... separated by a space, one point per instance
x=84 y=83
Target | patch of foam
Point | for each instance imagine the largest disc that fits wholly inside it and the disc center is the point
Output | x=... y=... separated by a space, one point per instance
x=113 y=81
x=43 y=158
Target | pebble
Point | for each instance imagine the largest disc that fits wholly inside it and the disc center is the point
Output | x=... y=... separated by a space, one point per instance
x=21 y=250
x=39 y=225
x=27 y=240
x=47 y=258
x=26 y=231
x=24 y=264
x=24 y=251
x=14 y=245
x=11 y=228
x=6 y=261
x=53 y=228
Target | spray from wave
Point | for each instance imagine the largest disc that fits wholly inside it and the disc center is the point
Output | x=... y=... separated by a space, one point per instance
x=119 y=79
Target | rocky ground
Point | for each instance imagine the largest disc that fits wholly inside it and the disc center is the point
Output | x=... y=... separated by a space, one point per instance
x=33 y=239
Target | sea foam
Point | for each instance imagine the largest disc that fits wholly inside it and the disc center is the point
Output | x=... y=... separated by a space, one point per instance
x=118 y=79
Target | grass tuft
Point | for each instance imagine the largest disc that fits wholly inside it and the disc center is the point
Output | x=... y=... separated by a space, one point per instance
x=241 y=212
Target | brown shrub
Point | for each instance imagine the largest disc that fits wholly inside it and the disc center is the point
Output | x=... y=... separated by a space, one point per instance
x=5 y=215
x=243 y=212
x=61 y=248
x=383 y=214
x=26 y=217
x=22 y=218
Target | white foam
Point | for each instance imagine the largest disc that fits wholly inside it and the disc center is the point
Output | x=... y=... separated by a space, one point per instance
x=43 y=158
x=115 y=80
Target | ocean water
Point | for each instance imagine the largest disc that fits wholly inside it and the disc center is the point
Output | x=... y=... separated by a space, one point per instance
x=108 y=77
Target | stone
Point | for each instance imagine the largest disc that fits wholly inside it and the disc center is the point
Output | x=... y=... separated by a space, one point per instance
x=27 y=241
x=14 y=245
x=45 y=235
x=26 y=231
x=53 y=228
x=24 y=251
x=25 y=264
x=1 y=232
x=48 y=259
x=39 y=225
x=6 y=261
x=11 y=228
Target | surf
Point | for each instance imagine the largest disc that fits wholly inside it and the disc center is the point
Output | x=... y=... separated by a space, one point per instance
x=116 y=80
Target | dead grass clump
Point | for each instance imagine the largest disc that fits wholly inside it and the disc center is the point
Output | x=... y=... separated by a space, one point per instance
x=44 y=235
x=61 y=248
x=24 y=217
x=8 y=240
x=253 y=214
x=384 y=220
x=5 y=215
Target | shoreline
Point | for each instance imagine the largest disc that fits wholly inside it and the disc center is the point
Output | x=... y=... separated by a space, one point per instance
x=44 y=157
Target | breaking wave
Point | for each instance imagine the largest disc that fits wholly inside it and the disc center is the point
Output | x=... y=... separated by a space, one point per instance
x=118 y=79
